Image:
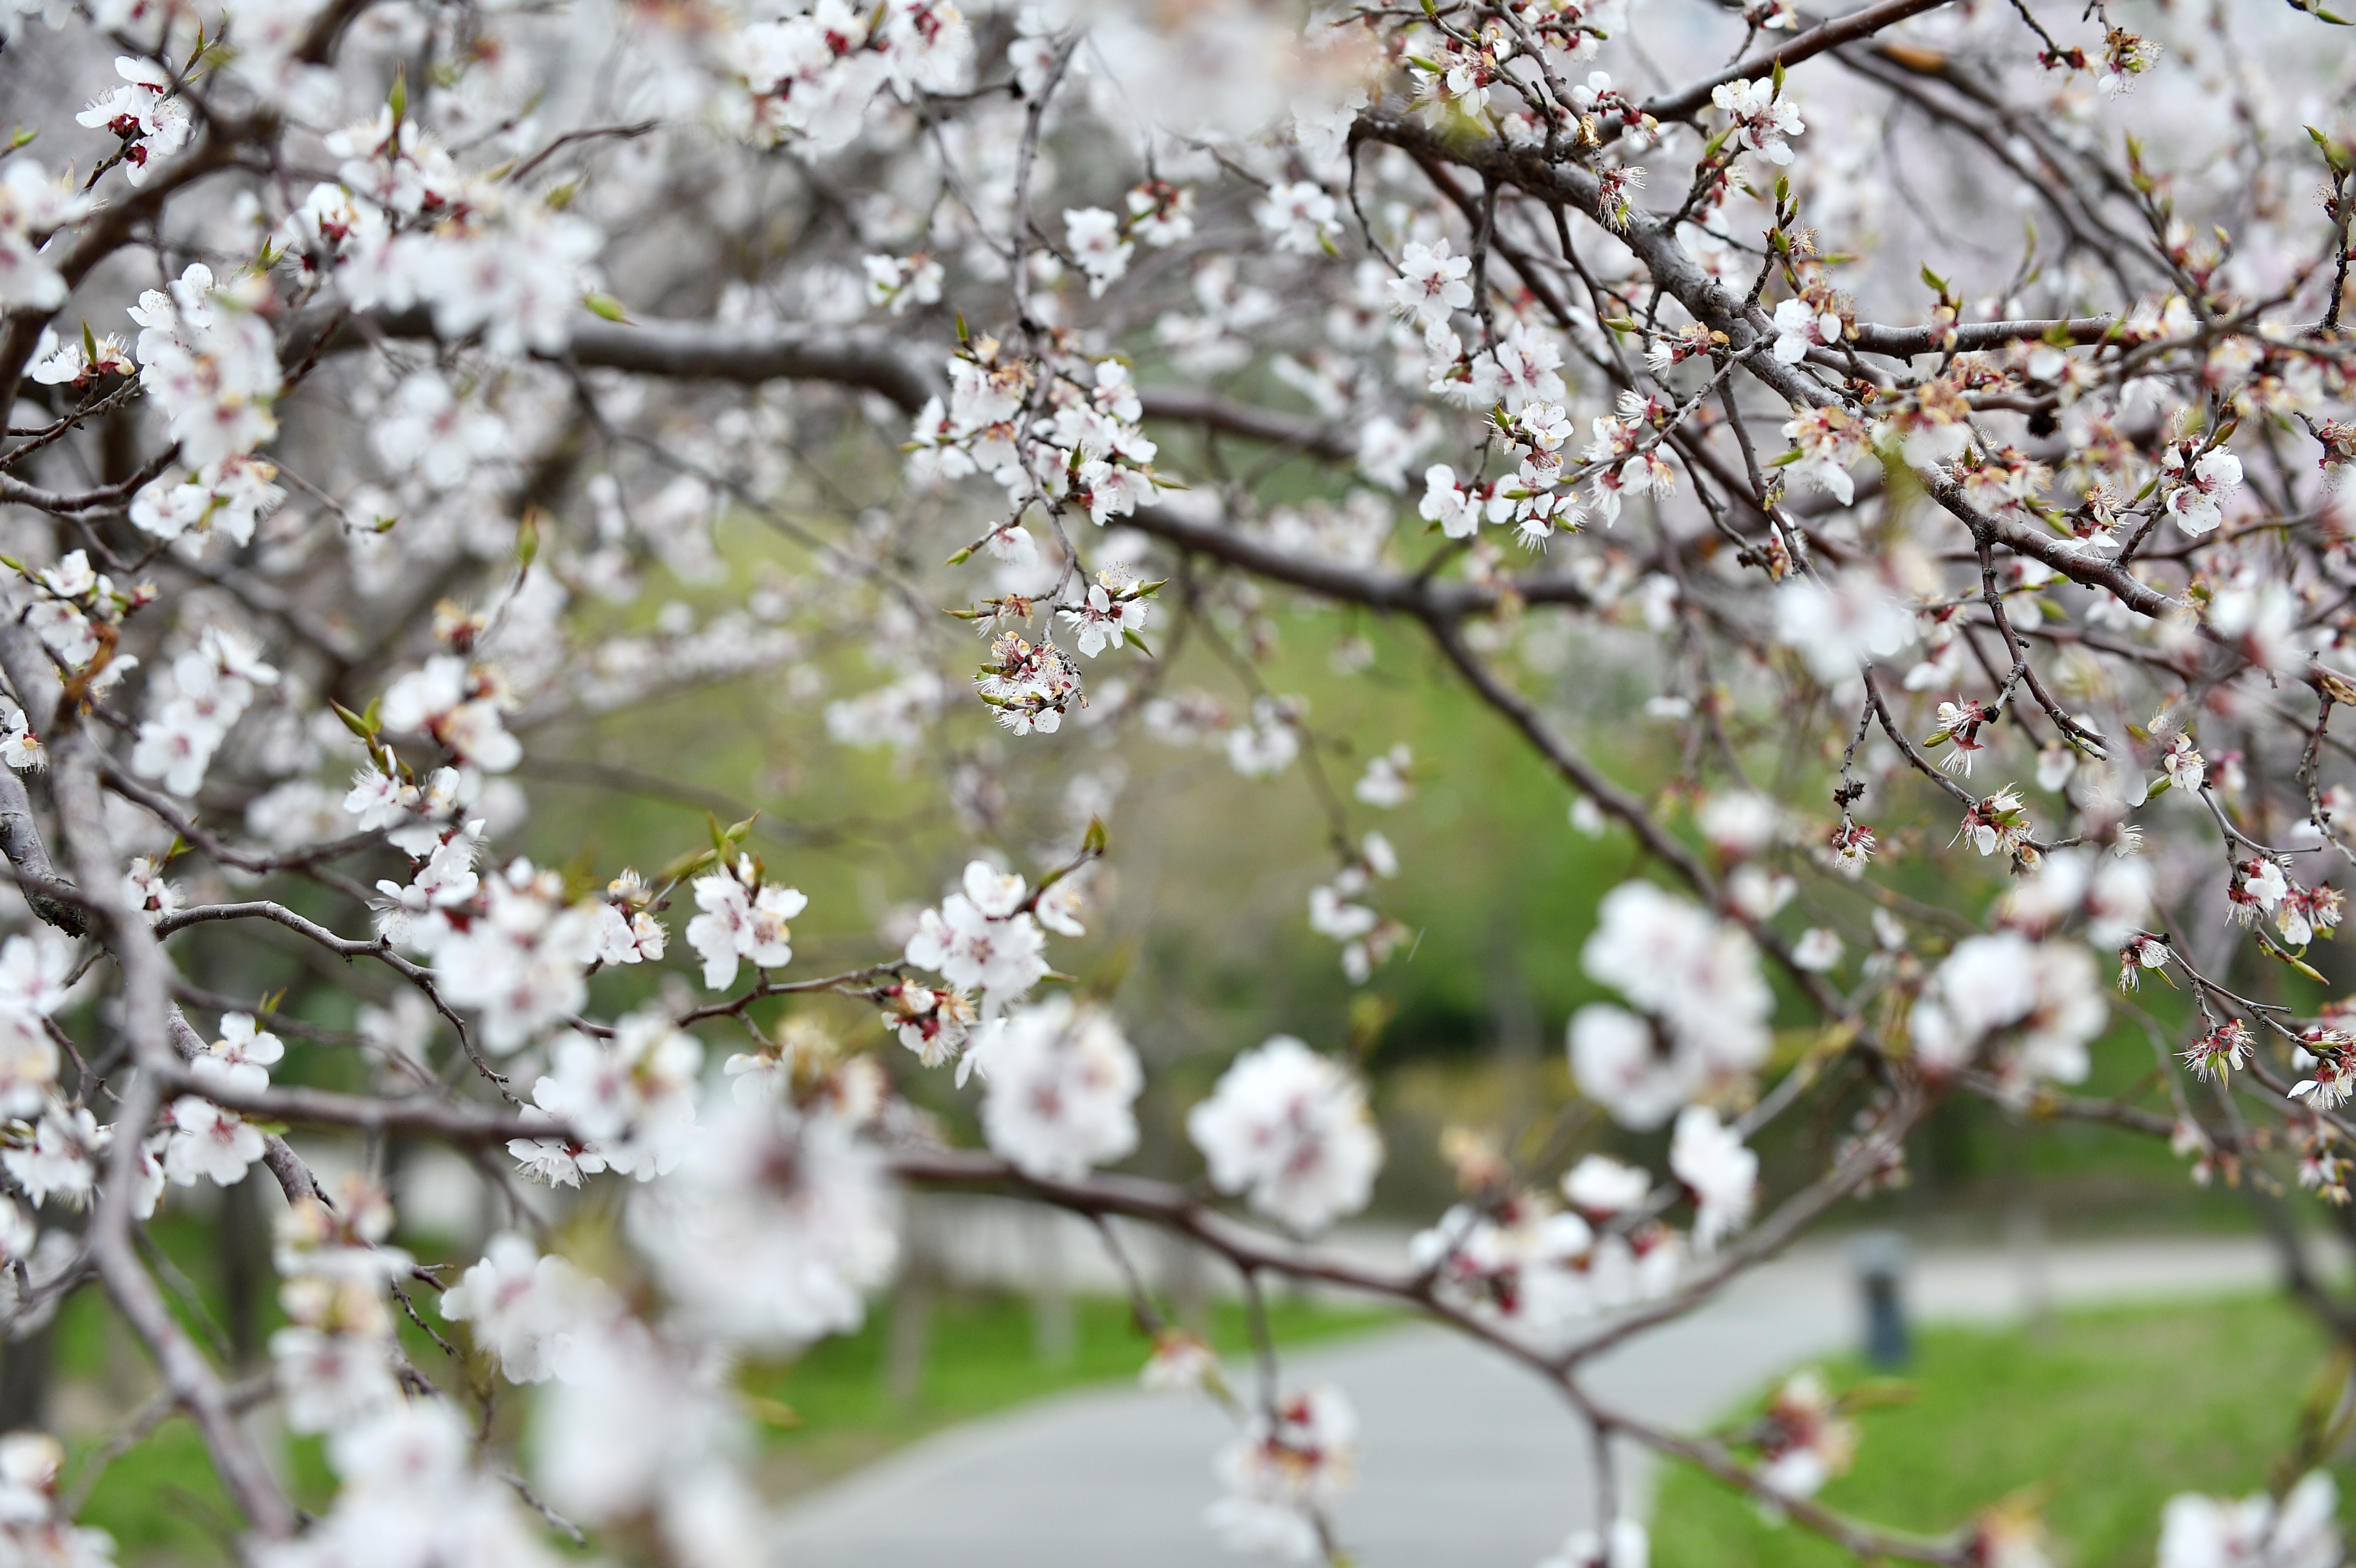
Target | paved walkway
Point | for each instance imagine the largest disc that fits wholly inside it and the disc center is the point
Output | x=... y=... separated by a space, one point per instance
x=1465 y=1462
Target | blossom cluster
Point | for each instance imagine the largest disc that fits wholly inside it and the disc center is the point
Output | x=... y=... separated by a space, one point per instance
x=416 y=412
x=1703 y=1006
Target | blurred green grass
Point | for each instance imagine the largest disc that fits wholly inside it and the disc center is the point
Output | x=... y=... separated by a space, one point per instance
x=823 y=1414
x=2109 y=1414
x=981 y=1355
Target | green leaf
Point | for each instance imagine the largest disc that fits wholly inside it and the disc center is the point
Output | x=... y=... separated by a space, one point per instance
x=1097 y=837
x=353 y=721
x=608 y=306
x=398 y=101
x=694 y=860
x=2298 y=964
x=2157 y=787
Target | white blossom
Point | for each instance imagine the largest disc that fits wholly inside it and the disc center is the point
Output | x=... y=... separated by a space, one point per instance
x=2300 y=1531
x=772 y=1230
x=1062 y=1083
x=1720 y=1173
x=1282 y=1473
x=1290 y=1128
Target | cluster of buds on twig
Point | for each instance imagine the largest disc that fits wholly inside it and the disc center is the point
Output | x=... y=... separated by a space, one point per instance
x=988 y=614
x=93 y=358
x=78 y=612
x=2000 y=478
x=2125 y=56
x=1031 y=686
x=1960 y=723
x=1691 y=341
x=1850 y=847
x=1567 y=24
x=2220 y=1050
x=1115 y=607
x=1998 y=823
x=1452 y=82
x=1615 y=194
x=2262 y=889
x=2334 y=1078
x=1806 y=1437
x=2146 y=952
x=1599 y=103
x=2338 y=440
x=932 y=1023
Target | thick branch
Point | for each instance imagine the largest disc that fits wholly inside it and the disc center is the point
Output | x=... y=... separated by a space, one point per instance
x=1376 y=589
x=684 y=350
x=322 y=1107
x=51 y=897
x=147 y=980
x=1905 y=342
x=1685 y=102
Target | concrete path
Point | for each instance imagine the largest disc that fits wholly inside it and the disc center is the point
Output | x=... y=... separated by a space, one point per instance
x=1465 y=1462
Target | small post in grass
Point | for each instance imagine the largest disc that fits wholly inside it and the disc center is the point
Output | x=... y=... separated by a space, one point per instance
x=1054 y=1335
x=912 y=1311
x=1879 y=1258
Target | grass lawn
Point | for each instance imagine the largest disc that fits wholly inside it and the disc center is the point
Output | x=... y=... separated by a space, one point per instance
x=827 y=1412
x=980 y=1356
x=2111 y=1413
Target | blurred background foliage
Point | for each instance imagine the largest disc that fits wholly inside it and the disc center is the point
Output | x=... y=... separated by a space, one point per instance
x=1200 y=941
x=1199 y=938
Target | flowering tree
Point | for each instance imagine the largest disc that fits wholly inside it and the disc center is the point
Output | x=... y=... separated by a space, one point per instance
x=1938 y=406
